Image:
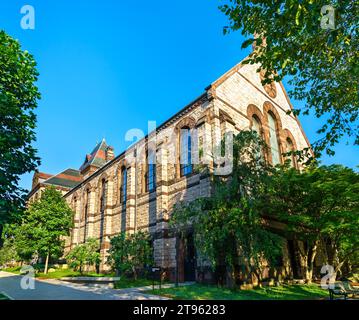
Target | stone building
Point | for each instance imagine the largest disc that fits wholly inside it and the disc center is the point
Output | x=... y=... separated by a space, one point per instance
x=128 y=193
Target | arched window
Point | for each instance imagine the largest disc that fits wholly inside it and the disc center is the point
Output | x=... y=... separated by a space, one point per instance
x=123 y=185
x=185 y=151
x=273 y=139
x=256 y=125
x=150 y=175
x=103 y=195
x=289 y=148
x=87 y=205
x=75 y=217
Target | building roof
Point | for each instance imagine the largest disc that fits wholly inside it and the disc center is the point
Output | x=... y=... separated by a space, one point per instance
x=43 y=175
x=97 y=157
x=69 y=178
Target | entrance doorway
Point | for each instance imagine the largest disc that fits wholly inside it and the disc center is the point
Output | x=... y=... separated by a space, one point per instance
x=189 y=259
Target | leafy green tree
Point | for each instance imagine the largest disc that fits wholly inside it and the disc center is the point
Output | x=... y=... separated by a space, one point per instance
x=25 y=248
x=45 y=224
x=228 y=227
x=18 y=100
x=129 y=253
x=8 y=252
x=321 y=63
x=86 y=254
x=319 y=207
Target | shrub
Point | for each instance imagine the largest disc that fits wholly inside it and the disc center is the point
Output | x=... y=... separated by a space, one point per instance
x=84 y=255
x=130 y=253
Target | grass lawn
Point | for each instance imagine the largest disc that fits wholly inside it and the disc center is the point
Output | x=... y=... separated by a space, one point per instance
x=12 y=270
x=203 y=292
x=131 y=283
x=60 y=273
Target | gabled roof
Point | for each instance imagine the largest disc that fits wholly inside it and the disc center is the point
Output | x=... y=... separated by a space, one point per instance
x=43 y=175
x=69 y=178
x=97 y=157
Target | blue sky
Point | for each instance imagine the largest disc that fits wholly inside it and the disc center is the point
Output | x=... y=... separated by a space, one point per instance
x=109 y=66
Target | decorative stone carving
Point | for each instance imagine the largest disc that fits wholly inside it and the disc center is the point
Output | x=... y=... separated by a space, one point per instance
x=269 y=88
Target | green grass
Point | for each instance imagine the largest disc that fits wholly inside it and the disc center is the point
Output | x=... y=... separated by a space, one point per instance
x=131 y=283
x=12 y=270
x=203 y=292
x=60 y=273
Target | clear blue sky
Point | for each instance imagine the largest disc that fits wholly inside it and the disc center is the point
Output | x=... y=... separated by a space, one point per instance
x=109 y=66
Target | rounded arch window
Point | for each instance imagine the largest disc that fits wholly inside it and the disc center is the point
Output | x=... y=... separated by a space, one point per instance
x=123 y=185
x=256 y=125
x=186 y=151
x=290 y=148
x=150 y=175
x=273 y=139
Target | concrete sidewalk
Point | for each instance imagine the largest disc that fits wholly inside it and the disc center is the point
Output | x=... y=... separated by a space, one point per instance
x=60 y=290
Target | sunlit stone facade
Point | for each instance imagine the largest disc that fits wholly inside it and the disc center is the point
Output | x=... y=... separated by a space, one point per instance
x=115 y=195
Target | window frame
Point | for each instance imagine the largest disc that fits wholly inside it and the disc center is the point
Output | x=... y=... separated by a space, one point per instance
x=150 y=174
x=185 y=168
x=273 y=132
x=123 y=186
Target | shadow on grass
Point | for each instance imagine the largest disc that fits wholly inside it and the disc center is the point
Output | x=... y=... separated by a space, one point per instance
x=203 y=292
x=60 y=273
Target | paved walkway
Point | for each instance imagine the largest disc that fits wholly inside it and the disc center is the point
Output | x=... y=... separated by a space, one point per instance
x=61 y=290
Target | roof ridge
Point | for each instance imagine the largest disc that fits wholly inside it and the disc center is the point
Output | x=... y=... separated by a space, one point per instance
x=98 y=147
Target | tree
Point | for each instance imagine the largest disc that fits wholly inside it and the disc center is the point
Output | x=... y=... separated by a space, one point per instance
x=128 y=253
x=8 y=252
x=321 y=63
x=86 y=254
x=18 y=99
x=228 y=227
x=319 y=207
x=45 y=224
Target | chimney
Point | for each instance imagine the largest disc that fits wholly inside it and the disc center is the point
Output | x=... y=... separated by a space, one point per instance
x=110 y=155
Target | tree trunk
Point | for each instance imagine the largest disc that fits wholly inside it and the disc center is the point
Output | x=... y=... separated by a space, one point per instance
x=258 y=275
x=310 y=262
x=47 y=263
x=230 y=281
x=134 y=273
x=332 y=253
